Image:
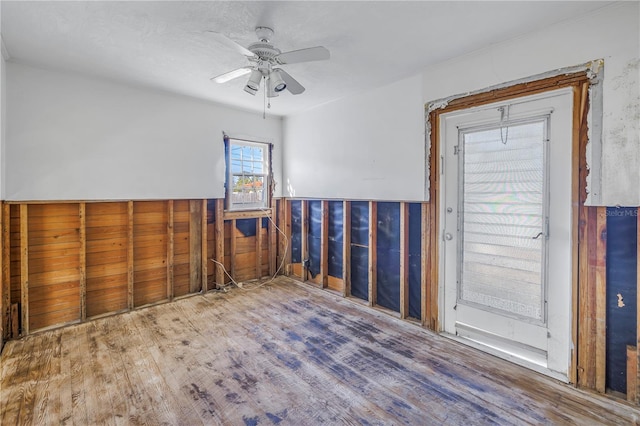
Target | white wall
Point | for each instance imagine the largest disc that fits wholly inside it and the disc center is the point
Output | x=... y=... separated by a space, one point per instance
x=71 y=137
x=369 y=146
x=3 y=121
x=612 y=34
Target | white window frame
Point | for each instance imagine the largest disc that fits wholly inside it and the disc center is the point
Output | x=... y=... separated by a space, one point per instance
x=264 y=203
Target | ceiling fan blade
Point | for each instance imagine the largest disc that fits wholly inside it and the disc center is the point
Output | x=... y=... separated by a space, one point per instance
x=292 y=84
x=223 y=78
x=223 y=39
x=317 y=53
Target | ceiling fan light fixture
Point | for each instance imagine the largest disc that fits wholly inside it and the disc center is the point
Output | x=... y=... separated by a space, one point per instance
x=253 y=84
x=276 y=82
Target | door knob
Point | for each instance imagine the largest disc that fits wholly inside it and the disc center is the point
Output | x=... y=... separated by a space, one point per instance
x=448 y=236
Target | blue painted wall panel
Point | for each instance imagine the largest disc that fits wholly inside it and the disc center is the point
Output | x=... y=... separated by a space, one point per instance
x=622 y=231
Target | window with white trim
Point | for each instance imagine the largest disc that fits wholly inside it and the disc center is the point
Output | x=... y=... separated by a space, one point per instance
x=248 y=174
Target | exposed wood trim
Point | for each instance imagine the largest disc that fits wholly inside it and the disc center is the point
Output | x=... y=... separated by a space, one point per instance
x=425 y=239
x=204 y=247
x=324 y=244
x=247 y=214
x=632 y=373
x=433 y=226
x=304 y=242
x=601 y=299
x=258 y=247
x=273 y=243
x=3 y=301
x=24 y=267
x=287 y=230
x=170 y=250
x=219 y=241
x=6 y=270
x=346 y=248
x=373 y=252
x=130 y=275
x=580 y=105
x=82 y=211
x=404 y=260
x=195 y=246
x=232 y=248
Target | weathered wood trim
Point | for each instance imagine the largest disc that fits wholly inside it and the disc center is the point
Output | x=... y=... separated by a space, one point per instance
x=130 y=237
x=258 y=262
x=287 y=230
x=273 y=239
x=425 y=239
x=24 y=267
x=304 y=249
x=170 y=250
x=373 y=252
x=203 y=247
x=601 y=299
x=404 y=260
x=82 y=212
x=228 y=215
x=632 y=374
x=195 y=249
x=432 y=223
x=219 y=239
x=324 y=244
x=5 y=258
x=346 y=248
x=232 y=249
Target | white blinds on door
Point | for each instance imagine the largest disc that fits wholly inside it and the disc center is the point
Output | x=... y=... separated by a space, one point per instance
x=502 y=213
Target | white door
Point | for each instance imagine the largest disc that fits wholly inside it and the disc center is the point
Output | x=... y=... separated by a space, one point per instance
x=506 y=229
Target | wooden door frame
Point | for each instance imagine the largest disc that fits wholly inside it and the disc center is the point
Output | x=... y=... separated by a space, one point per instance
x=586 y=366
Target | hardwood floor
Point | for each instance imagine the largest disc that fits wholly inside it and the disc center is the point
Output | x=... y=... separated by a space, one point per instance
x=281 y=354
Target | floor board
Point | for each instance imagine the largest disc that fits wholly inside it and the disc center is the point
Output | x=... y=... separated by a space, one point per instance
x=283 y=353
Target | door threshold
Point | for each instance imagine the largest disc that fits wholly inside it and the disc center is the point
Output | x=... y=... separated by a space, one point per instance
x=508 y=356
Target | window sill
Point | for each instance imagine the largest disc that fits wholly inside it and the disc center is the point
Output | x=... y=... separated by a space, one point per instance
x=246 y=214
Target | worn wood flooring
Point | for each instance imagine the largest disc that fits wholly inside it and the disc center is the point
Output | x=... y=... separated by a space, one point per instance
x=281 y=354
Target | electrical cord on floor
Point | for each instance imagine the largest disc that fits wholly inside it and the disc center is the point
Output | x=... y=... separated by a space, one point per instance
x=241 y=285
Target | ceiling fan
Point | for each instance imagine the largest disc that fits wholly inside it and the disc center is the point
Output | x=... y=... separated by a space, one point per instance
x=265 y=61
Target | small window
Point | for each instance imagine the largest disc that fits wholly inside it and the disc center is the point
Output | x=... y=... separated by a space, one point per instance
x=248 y=172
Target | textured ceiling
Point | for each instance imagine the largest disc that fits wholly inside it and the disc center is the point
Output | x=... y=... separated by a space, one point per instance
x=165 y=45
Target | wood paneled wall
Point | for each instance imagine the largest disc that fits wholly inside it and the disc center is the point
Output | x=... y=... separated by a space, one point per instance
x=66 y=262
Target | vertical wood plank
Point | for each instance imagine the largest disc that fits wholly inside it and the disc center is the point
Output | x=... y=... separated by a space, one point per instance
x=130 y=237
x=433 y=224
x=373 y=252
x=324 y=243
x=273 y=245
x=425 y=239
x=232 y=248
x=219 y=238
x=404 y=260
x=204 y=248
x=258 y=247
x=82 y=211
x=346 y=247
x=601 y=299
x=304 y=249
x=195 y=249
x=6 y=270
x=287 y=231
x=578 y=195
x=632 y=373
x=24 y=267
x=170 y=249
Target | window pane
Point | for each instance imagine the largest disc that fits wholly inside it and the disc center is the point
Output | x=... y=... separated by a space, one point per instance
x=503 y=211
x=249 y=171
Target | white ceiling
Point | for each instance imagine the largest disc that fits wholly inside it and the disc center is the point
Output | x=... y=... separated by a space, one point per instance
x=165 y=45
